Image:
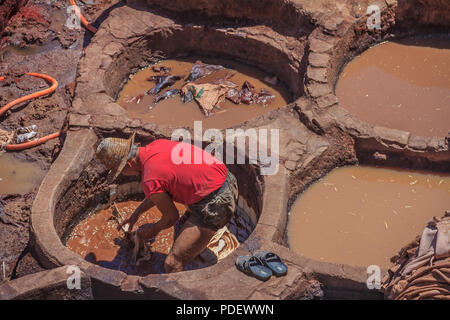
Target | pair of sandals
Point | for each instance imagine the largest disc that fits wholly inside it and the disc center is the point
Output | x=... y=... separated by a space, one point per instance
x=262 y=265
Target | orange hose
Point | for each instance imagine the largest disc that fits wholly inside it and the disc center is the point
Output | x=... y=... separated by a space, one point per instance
x=33 y=95
x=30 y=144
x=83 y=19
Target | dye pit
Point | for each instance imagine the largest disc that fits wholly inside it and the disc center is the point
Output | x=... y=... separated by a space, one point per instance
x=362 y=215
x=18 y=176
x=173 y=111
x=98 y=241
x=402 y=84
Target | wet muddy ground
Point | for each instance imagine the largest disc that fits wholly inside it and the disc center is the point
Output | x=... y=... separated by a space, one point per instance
x=18 y=176
x=35 y=40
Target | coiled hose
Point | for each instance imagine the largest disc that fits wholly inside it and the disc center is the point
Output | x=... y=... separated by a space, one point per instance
x=52 y=88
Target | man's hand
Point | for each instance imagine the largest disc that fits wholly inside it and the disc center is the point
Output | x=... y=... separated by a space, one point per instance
x=144 y=206
x=169 y=217
x=130 y=221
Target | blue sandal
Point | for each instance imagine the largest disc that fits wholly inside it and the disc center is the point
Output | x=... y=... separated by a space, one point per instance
x=253 y=267
x=272 y=261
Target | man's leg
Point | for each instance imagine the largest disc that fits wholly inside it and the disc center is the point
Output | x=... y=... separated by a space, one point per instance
x=195 y=234
x=192 y=240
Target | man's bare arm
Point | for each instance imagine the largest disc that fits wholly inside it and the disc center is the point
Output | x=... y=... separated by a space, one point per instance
x=169 y=217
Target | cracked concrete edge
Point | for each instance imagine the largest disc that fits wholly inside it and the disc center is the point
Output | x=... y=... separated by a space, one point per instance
x=392 y=139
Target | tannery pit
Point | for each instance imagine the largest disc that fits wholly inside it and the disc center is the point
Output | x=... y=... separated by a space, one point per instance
x=332 y=116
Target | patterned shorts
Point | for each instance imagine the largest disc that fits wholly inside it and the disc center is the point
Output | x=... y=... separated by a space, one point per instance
x=216 y=209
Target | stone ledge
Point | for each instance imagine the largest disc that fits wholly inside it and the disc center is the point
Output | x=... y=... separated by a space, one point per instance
x=317 y=74
x=274 y=211
x=418 y=143
x=320 y=46
x=79 y=120
x=438 y=144
x=319 y=59
x=46 y=285
x=327 y=101
x=316 y=89
x=392 y=136
x=70 y=163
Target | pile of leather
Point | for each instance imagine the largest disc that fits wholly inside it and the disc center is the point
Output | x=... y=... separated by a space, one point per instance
x=208 y=85
x=422 y=268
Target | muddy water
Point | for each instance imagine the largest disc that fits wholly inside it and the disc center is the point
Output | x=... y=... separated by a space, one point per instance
x=364 y=215
x=17 y=175
x=403 y=85
x=29 y=50
x=174 y=112
x=97 y=240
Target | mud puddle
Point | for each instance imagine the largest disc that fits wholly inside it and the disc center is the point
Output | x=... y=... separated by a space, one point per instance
x=364 y=215
x=175 y=112
x=402 y=85
x=30 y=50
x=18 y=176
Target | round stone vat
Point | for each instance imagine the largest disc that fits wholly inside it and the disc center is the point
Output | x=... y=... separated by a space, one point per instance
x=365 y=213
x=139 y=102
x=321 y=187
x=76 y=186
x=96 y=240
x=117 y=52
x=340 y=41
x=402 y=84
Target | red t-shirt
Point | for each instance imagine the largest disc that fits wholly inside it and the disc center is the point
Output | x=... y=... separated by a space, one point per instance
x=187 y=182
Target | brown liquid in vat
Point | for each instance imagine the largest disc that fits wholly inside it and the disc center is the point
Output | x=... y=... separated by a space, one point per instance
x=364 y=215
x=174 y=112
x=97 y=240
x=18 y=176
x=403 y=85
